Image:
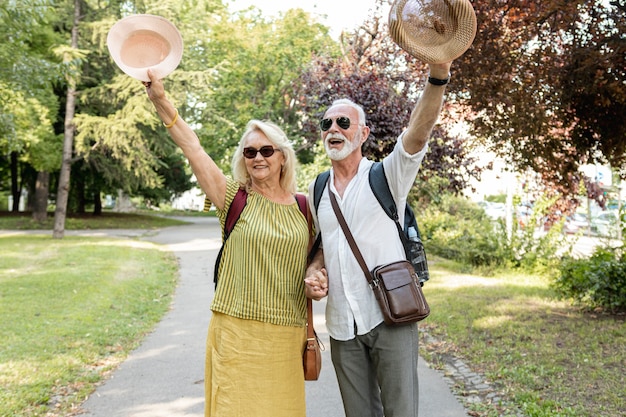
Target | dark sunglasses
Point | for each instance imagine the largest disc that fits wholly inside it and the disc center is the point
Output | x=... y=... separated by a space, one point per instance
x=343 y=122
x=265 y=151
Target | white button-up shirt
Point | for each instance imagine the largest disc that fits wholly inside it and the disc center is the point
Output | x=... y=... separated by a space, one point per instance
x=351 y=306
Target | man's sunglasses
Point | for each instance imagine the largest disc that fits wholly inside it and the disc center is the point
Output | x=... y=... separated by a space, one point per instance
x=343 y=122
x=265 y=151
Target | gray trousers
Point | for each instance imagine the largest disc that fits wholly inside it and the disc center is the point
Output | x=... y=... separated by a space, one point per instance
x=377 y=372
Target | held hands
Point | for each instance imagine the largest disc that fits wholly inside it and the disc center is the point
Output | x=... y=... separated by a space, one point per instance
x=316 y=284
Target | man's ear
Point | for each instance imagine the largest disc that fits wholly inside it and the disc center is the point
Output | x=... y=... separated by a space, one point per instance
x=366 y=134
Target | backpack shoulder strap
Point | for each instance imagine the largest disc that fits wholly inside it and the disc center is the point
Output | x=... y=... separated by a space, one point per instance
x=234 y=211
x=318 y=188
x=301 y=199
x=380 y=188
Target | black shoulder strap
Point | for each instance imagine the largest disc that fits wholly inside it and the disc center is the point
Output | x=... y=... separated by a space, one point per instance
x=318 y=188
x=380 y=188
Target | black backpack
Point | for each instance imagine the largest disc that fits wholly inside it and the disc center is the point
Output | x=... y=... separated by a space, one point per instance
x=409 y=234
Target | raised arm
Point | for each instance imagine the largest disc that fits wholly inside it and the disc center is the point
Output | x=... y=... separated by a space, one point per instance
x=426 y=111
x=211 y=179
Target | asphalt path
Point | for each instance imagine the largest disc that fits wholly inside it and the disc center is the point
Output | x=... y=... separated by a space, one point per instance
x=164 y=376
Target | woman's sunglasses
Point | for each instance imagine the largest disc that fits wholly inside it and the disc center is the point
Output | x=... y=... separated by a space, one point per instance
x=343 y=122
x=265 y=151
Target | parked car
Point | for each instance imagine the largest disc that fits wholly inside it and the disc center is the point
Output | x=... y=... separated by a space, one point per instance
x=606 y=224
x=577 y=222
x=495 y=211
x=523 y=213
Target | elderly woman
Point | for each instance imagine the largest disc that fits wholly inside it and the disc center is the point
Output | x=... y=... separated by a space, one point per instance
x=257 y=329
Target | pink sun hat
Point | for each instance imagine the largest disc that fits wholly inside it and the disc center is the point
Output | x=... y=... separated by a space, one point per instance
x=143 y=41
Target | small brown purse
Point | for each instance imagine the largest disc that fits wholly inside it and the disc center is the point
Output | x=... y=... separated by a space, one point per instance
x=312 y=355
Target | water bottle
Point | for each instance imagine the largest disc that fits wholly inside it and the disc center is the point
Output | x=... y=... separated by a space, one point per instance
x=418 y=255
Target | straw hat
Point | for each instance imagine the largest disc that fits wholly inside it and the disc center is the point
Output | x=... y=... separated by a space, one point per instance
x=141 y=42
x=433 y=31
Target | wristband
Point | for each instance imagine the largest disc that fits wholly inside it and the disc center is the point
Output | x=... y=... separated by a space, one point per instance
x=438 y=81
x=173 y=122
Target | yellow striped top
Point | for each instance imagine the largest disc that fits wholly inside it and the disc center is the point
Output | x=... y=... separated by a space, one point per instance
x=261 y=273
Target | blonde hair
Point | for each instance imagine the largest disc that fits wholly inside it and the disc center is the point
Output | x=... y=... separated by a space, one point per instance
x=275 y=135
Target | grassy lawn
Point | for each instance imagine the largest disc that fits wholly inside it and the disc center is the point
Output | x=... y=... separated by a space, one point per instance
x=108 y=220
x=544 y=357
x=71 y=310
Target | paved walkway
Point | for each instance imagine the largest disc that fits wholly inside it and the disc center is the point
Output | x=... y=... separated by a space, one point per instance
x=164 y=376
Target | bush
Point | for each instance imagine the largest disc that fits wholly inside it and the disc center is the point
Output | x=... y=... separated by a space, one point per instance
x=455 y=228
x=599 y=281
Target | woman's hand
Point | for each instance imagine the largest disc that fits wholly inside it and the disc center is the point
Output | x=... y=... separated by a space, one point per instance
x=154 y=87
x=316 y=284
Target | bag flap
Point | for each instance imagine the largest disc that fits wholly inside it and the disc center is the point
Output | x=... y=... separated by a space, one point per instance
x=396 y=274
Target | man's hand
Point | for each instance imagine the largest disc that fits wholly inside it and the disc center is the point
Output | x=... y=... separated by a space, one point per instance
x=316 y=284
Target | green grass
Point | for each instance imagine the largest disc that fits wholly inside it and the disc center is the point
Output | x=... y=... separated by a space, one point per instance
x=107 y=220
x=71 y=310
x=546 y=357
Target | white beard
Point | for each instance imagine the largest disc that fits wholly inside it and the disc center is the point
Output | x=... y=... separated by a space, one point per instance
x=348 y=147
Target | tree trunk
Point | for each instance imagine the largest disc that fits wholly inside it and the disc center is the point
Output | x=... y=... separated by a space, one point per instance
x=68 y=141
x=79 y=193
x=15 y=189
x=97 y=203
x=40 y=205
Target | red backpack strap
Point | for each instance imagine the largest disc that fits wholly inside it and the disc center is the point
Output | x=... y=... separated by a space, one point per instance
x=234 y=211
x=302 y=203
x=301 y=199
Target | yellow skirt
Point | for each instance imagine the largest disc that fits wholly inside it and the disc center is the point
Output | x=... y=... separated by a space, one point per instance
x=253 y=369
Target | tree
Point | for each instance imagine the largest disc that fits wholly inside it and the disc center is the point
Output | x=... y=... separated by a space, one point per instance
x=68 y=138
x=28 y=107
x=252 y=63
x=370 y=72
x=546 y=81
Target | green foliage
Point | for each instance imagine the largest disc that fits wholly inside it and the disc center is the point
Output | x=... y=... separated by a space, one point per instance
x=533 y=248
x=308 y=172
x=455 y=228
x=176 y=177
x=252 y=62
x=599 y=281
x=500 y=198
x=554 y=96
